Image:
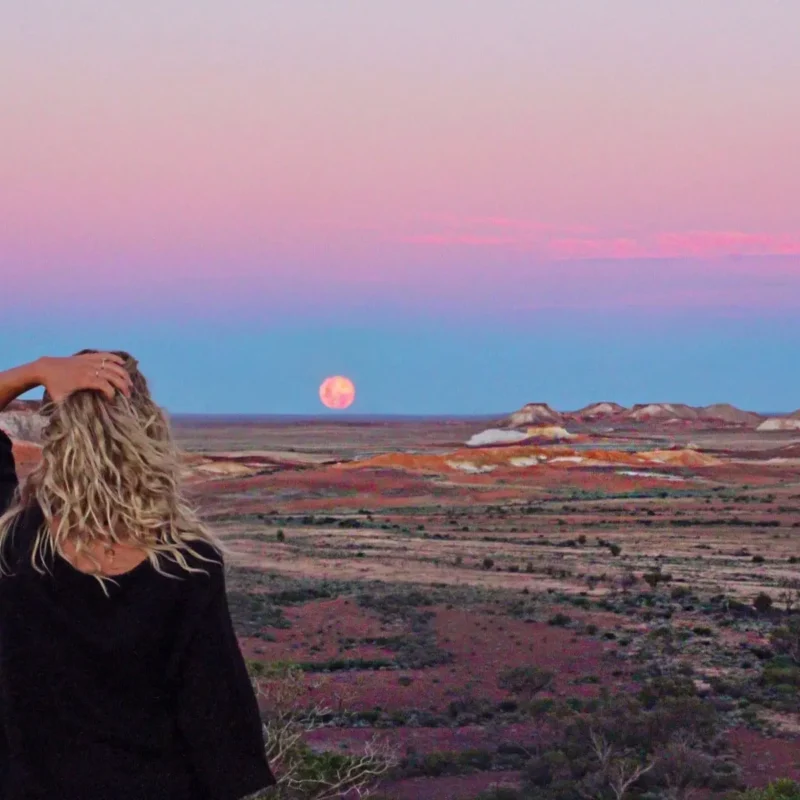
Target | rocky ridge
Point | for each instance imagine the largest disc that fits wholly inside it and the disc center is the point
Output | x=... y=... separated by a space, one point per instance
x=715 y=415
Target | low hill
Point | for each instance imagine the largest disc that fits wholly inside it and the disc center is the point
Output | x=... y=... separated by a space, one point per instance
x=644 y=412
x=715 y=415
x=533 y=414
x=725 y=412
x=599 y=411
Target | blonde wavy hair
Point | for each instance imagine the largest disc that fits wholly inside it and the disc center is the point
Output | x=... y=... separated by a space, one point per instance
x=109 y=474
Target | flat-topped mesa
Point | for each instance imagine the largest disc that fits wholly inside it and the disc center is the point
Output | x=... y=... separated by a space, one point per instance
x=599 y=411
x=725 y=412
x=723 y=415
x=644 y=412
x=720 y=414
x=533 y=414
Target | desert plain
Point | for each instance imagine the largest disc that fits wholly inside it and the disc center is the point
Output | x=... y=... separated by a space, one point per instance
x=409 y=574
x=466 y=606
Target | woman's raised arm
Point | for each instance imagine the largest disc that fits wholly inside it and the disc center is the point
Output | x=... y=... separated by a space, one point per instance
x=62 y=376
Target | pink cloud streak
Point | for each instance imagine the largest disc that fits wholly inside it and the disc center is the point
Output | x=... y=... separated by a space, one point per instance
x=461 y=238
x=553 y=242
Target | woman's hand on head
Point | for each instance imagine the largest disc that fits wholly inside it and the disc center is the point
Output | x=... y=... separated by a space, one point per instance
x=102 y=372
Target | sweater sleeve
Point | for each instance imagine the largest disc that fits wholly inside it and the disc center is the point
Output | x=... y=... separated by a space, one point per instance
x=218 y=715
x=8 y=472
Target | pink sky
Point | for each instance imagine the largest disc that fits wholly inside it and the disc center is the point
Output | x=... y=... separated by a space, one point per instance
x=279 y=143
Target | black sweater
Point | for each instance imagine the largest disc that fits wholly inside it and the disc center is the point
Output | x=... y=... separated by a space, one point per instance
x=142 y=695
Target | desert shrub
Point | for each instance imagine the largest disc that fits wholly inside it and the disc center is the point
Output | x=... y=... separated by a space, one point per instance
x=786 y=639
x=658 y=689
x=488 y=563
x=418 y=648
x=421 y=651
x=525 y=682
x=445 y=762
x=468 y=709
x=790 y=596
x=696 y=720
x=652 y=579
x=620 y=748
x=615 y=549
x=762 y=603
x=253 y=612
x=680 y=769
x=349 y=523
x=303 y=593
x=395 y=604
x=779 y=790
x=662 y=632
x=559 y=620
x=301 y=773
x=280 y=535
x=345 y=664
x=778 y=673
x=542 y=705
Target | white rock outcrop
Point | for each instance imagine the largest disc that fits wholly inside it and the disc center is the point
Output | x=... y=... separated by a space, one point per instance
x=551 y=432
x=495 y=436
x=780 y=424
x=23 y=425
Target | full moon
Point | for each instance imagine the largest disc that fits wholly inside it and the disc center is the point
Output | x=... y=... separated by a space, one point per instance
x=337 y=392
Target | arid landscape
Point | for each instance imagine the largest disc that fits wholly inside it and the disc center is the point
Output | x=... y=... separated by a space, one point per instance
x=534 y=606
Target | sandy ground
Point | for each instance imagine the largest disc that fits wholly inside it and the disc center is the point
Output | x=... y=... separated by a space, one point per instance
x=407 y=506
x=404 y=506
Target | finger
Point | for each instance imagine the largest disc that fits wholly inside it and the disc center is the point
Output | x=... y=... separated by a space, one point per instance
x=103 y=379
x=120 y=374
x=118 y=382
x=98 y=369
x=101 y=358
x=104 y=386
x=111 y=358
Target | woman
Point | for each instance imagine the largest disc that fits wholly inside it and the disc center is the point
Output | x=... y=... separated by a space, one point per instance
x=120 y=674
